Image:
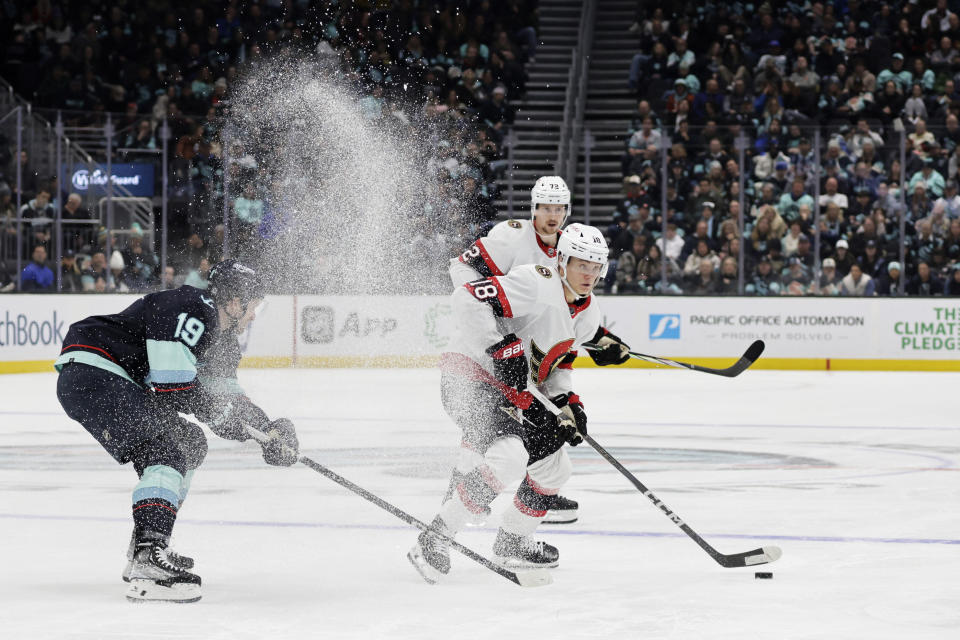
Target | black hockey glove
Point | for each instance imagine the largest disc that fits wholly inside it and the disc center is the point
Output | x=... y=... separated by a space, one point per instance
x=543 y=434
x=281 y=448
x=574 y=418
x=510 y=362
x=612 y=350
x=540 y=419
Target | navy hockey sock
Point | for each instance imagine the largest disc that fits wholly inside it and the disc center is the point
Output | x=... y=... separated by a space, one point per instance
x=155 y=500
x=185 y=486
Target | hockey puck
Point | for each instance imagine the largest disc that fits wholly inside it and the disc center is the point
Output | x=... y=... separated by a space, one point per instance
x=763 y=575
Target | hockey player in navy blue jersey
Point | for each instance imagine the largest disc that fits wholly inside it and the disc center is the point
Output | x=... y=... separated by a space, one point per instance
x=125 y=377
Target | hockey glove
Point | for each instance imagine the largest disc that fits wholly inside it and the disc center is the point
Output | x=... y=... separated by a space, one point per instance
x=281 y=447
x=573 y=419
x=612 y=350
x=510 y=362
x=540 y=419
x=228 y=416
x=543 y=434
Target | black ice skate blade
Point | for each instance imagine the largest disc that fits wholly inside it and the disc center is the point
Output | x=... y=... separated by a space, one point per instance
x=561 y=519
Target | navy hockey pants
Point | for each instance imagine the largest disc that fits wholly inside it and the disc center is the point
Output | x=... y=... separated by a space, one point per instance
x=126 y=421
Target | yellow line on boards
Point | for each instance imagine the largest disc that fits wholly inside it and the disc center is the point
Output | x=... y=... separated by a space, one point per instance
x=398 y=361
x=27 y=366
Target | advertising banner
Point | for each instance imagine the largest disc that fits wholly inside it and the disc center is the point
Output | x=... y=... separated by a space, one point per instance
x=373 y=326
x=32 y=327
x=841 y=333
x=838 y=328
x=91 y=181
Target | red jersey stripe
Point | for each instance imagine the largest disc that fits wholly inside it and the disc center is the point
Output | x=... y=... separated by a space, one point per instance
x=87 y=346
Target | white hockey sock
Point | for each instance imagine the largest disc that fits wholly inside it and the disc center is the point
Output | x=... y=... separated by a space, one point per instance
x=517 y=520
x=455 y=514
x=468 y=460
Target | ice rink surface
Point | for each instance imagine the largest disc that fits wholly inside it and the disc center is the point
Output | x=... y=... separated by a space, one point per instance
x=854 y=475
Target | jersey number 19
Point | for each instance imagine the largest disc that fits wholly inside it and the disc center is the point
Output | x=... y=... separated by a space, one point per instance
x=189 y=330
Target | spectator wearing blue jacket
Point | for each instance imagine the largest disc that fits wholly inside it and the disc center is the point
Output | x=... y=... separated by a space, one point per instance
x=37 y=276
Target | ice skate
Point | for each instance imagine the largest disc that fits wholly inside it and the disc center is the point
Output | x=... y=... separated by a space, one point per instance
x=561 y=511
x=513 y=551
x=184 y=563
x=431 y=555
x=155 y=578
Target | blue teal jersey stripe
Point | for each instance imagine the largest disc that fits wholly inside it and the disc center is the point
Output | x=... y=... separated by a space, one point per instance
x=165 y=376
x=159 y=481
x=92 y=359
x=170 y=361
x=220 y=385
x=185 y=485
x=149 y=493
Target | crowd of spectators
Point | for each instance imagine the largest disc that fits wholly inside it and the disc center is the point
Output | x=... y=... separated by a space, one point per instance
x=861 y=75
x=455 y=67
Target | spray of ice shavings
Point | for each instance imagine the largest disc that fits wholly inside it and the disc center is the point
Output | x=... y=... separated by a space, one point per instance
x=349 y=176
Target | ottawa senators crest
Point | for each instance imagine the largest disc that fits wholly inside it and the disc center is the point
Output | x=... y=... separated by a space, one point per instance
x=542 y=270
x=514 y=224
x=542 y=363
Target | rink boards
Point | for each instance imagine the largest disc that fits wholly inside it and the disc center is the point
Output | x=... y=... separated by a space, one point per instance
x=386 y=331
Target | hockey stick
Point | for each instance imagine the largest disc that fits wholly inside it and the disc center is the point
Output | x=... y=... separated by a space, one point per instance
x=763 y=555
x=746 y=360
x=533 y=578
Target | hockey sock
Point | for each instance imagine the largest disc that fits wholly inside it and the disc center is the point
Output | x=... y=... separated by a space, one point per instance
x=185 y=486
x=471 y=497
x=155 y=499
x=530 y=507
x=467 y=460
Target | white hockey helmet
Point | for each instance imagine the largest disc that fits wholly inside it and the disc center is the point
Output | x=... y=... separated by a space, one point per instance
x=585 y=242
x=550 y=190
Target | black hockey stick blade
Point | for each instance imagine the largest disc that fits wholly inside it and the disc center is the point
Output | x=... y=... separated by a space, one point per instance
x=532 y=578
x=762 y=555
x=745 y=362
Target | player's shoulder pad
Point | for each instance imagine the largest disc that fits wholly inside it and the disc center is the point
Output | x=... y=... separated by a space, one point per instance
x=507 y=227
x=537 y=275
x=195 y=301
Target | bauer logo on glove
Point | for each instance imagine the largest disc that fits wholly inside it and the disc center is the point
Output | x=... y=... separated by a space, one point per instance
x=509 y=362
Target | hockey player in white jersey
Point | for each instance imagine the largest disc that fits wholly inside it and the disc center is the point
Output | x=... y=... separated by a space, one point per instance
x=517 y=242
x=513 y=331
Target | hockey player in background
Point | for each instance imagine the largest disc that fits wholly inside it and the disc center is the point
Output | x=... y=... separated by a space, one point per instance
x=516 y=242
x=126 y=376
x=515 y=330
